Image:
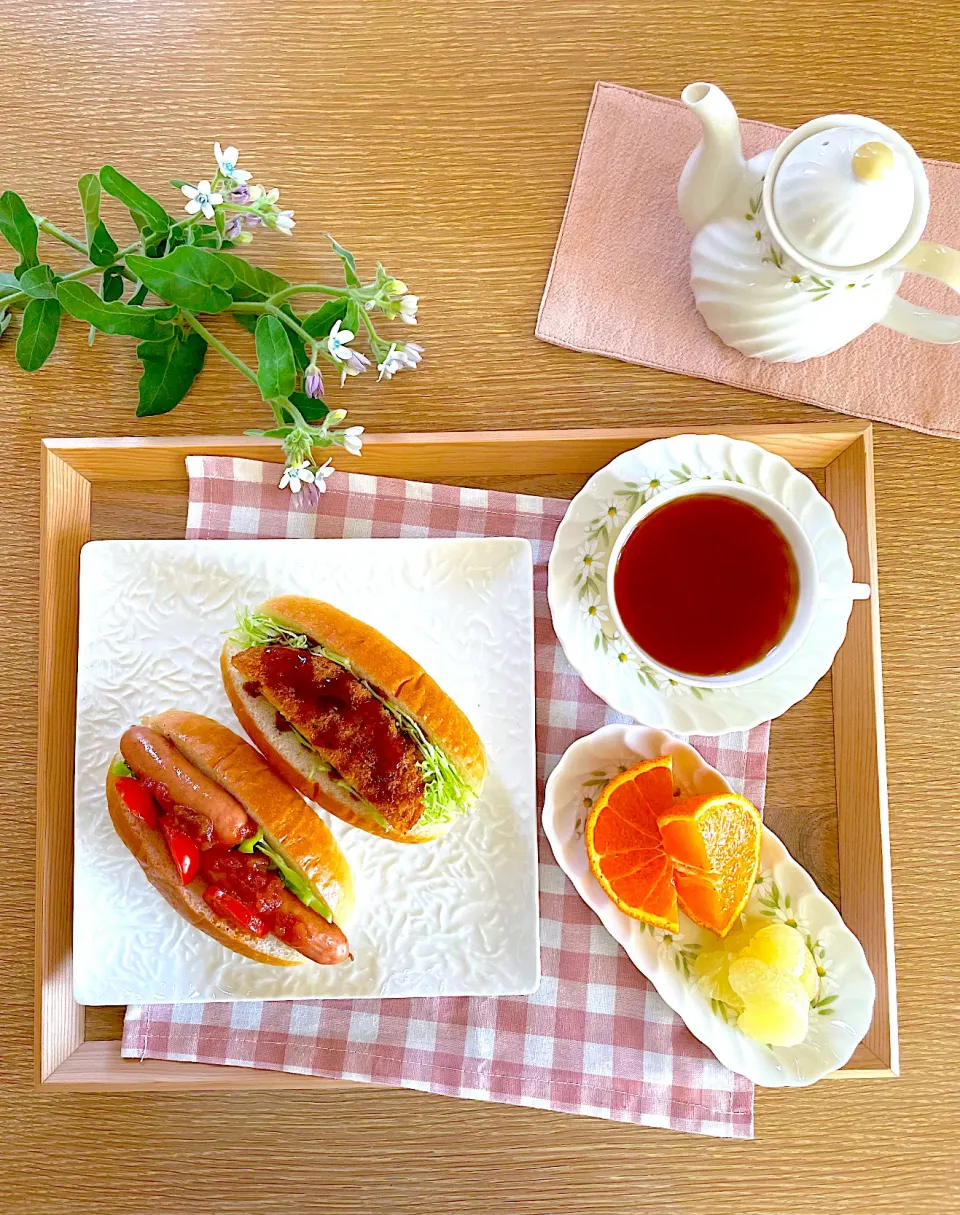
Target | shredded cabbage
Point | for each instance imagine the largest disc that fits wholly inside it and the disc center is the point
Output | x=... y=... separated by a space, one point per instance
x=445 y=794
x=296 y=884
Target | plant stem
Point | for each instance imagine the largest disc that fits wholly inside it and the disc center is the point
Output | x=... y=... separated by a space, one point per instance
x=307 y=338
x=52 y=230
x=228 y=354
x=84 y=272
x=376 y=342
x=310 y=289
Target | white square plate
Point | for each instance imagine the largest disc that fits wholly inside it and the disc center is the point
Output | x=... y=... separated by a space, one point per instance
x=455 y=917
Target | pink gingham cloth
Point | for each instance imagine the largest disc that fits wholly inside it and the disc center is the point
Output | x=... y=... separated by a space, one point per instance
x=595 y=1038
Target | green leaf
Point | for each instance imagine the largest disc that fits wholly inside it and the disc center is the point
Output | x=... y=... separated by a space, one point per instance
x=111 y=286
x=350 y=275
x=139 y=295
x=193 y=278
x=38 y=333
x=246 y=320
x=318 y=324
x=150 y=324
x=301 y=358
x=19 y=229
x=90 y=193
x=101 y=245
x=146 y=211
x=40 y=282
x=351 y=320
x=313 y=409
x=251 y=282
x=276 y=369
x=5 y=319
x=103 y=248
x=169 y=369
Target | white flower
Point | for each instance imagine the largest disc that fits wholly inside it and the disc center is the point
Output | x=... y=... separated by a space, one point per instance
x=354 y=365
x=391 y=364
x=619 y=649
x=320 y=478
x=594 y=610
x=227 y=160
x=256 y=193
x=338 y=343
x=588 y=554
x=284 y=222
x=615 y=513
x=201 y=199
x=298 y=475
x=408 y=309
x=399 y=357
x=351 y=440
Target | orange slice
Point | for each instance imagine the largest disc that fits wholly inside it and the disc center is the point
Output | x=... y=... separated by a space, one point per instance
x=714 y=843
x=623 y=843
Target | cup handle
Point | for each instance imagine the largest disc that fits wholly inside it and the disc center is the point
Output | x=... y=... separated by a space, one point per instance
x=938 y=262
x=844 y=590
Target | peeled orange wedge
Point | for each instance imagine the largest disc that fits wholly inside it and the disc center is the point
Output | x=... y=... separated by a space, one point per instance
x=624 y=847
x=713 y=842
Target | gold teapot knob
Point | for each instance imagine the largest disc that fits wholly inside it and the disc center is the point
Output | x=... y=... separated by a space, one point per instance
x=872 y=160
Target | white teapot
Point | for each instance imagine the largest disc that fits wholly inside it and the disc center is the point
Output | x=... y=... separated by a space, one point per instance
x=801 y=249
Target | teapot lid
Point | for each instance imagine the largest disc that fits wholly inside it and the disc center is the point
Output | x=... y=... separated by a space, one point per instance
x=846 y=195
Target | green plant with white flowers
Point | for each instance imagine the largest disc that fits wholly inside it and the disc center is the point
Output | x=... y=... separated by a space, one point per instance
x=157 y=288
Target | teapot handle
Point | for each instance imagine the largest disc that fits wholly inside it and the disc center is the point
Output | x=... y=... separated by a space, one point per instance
x=911 y=319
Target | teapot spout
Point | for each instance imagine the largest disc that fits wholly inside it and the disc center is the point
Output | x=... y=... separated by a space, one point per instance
x=716 y=165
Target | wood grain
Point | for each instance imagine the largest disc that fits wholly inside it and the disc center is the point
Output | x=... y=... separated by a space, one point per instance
x=442 y=139
x=860 y=748
x=65 y=509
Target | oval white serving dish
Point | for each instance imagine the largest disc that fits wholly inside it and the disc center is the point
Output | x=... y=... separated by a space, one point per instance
x=841 y=1013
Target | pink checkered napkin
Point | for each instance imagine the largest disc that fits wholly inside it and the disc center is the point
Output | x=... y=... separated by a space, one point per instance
x=595 y=1038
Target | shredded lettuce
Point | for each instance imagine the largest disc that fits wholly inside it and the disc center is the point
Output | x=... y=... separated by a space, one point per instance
x=446 y=794
x=121 y=769
x=296 y=884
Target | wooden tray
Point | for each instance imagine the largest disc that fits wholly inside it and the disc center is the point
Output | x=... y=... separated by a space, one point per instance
x=97 y=488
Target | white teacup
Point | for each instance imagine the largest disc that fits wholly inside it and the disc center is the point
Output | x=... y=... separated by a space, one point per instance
x=811 y=589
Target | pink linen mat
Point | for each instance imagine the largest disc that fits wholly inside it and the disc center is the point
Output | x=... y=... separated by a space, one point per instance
x=619 y=284
x=595 y=1038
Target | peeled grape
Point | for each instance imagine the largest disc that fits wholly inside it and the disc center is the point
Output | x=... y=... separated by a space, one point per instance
x=712 y=970
x=780 y=946
x=778 y=1022
x=753 y=979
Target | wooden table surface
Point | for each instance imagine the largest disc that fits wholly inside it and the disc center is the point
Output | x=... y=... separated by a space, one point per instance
x=441 y=137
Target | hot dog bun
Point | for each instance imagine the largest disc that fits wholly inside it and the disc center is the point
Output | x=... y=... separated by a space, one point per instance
x=288 y=825
x=151 y=852
x=387 y=668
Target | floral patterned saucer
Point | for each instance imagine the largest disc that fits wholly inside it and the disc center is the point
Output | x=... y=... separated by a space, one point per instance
x=577 y=588
x=841 y=1010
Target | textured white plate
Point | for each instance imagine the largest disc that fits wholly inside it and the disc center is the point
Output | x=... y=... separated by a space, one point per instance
x=454 y=917
x=843 y=1007
x=578 y=594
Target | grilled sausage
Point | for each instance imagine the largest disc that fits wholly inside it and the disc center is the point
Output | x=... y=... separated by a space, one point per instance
x=148 y=754
x=309 y=933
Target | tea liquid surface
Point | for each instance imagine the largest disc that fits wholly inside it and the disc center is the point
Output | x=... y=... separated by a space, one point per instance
x=707 y=585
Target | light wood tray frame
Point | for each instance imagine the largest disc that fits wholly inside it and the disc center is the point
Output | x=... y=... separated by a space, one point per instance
x=840 y=453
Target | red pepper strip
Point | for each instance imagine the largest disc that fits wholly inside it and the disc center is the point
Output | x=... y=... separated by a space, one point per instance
x=137 y=800
x=185 y=853
x=226 y=905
